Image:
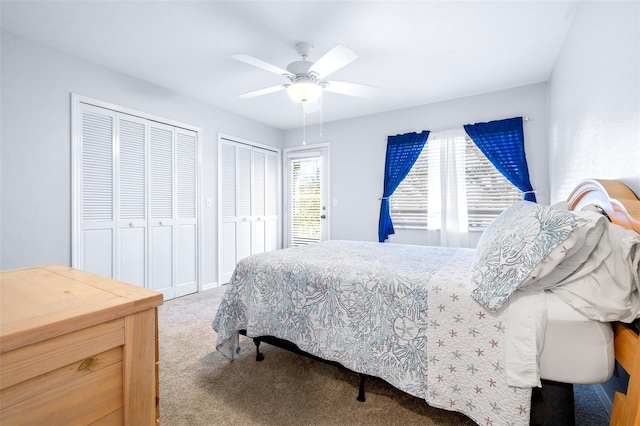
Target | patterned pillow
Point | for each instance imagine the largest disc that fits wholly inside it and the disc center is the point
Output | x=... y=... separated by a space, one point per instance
x=521 y=245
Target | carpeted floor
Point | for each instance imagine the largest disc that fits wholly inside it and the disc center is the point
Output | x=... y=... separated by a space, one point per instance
x=200 y=387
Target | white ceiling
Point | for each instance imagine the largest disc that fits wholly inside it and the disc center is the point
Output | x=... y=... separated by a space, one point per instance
x=416 y=52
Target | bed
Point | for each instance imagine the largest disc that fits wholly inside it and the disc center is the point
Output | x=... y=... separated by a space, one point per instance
x=472 y=331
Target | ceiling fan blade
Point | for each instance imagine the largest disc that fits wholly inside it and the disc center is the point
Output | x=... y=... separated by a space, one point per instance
x=264 y=91
x=333 y=60
x=351 y=89
x=260 y=64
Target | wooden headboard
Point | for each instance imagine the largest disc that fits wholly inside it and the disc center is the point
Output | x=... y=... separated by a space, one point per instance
x=622 y=206
x=615 y=198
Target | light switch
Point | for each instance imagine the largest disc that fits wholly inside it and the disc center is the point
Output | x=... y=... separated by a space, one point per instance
x=208 y=202
x=335 y=202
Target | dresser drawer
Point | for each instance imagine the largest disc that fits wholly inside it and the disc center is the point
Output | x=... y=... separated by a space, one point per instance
x=56 y=378
x=75 y=378
x=82 y=401
x=35 y=360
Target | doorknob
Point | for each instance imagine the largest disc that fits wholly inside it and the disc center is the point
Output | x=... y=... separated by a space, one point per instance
x=324 y=216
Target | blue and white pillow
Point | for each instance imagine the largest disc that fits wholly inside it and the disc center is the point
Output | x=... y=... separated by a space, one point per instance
x=526 y=242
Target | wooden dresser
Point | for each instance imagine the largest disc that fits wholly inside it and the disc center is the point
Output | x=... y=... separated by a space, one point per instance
x=76 y=349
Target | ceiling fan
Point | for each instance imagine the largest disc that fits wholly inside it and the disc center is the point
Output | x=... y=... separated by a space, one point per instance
x=306 y=78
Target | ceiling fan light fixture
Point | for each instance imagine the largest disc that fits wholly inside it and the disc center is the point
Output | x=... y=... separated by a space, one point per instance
x=304 y=91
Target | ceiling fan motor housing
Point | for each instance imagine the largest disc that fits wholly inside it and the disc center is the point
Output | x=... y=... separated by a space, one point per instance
x=300 y=69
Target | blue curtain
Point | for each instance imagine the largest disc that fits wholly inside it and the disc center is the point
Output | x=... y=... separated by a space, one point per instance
x=502 y=142
x=402 y=153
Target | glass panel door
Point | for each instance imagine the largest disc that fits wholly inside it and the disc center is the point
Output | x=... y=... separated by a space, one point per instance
x=306 y=197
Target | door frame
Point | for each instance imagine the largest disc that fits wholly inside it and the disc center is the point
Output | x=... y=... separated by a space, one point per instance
x=285 y=186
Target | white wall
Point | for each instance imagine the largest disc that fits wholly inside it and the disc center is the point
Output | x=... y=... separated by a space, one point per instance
x=594 y=99
x=358 y=148
x=594 y=108
x=36 y=146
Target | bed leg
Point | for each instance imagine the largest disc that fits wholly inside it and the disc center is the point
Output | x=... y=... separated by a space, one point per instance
x=552 y=405
x=259 y=355
x=361 y=390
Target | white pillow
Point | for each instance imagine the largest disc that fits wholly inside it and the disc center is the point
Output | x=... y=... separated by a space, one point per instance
x=588 y=238
x=524 y=243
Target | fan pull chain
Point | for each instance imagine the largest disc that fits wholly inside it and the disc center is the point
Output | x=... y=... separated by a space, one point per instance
x=321 y=96
x=304 y=124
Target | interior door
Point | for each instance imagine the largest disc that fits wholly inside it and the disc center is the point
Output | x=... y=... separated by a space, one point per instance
x=186 y=232
x=161 y=214
x=243 y=203
x=96 y=244
x=249 y=203
x=132 y=218
x=307 y=195
x=258 y=198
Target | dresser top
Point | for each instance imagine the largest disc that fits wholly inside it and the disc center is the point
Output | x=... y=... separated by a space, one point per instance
x=44 y=302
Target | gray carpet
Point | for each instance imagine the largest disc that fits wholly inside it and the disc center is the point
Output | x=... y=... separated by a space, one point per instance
x=200 y=387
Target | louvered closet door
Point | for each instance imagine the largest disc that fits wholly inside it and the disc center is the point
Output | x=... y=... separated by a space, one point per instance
x=243 y=203
x=258 y=206
x=186 y=206
x=97 y=240
x=132 y=221
x=228 y=189
x=161 y=209
x=271 y=201
x=248 y=204
x=135 y=199
x=264 y=190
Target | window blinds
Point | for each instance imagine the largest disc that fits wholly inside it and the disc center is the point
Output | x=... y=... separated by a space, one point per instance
x=304 y=197
x=488 y=191
x=415 y=201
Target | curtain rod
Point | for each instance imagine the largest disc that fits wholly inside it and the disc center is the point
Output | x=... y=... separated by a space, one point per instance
x=524 y=118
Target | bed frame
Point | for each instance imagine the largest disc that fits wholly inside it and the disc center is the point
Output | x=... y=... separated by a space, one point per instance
x=622 y=206
x=553 y=404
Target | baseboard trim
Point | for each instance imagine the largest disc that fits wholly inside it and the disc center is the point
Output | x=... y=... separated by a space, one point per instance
x=606 y=402
x=209 y=286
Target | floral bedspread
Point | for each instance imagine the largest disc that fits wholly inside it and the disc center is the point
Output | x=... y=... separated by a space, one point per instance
x=402 y=313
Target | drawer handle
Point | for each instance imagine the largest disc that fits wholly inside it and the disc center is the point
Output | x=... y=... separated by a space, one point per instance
x=86 y=364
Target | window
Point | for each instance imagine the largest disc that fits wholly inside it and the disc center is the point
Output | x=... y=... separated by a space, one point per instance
x=305 y=200
x=451 y=157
